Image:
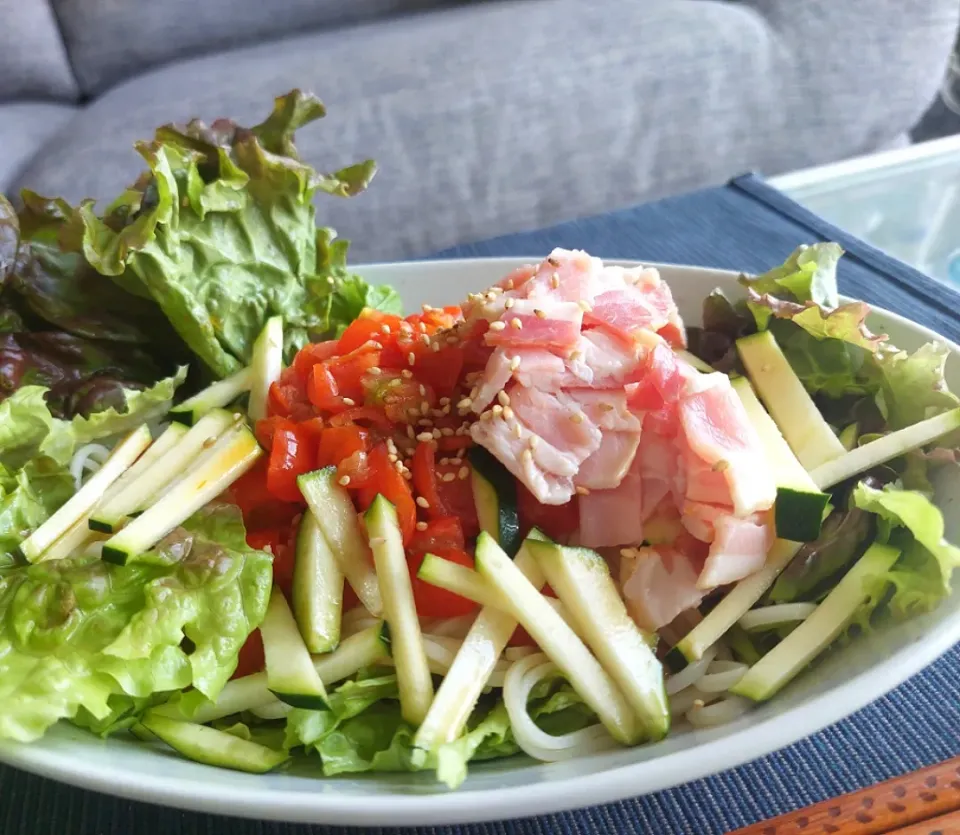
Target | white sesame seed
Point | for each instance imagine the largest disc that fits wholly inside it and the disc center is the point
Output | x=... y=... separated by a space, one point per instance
x=627 y=552
x=497 y=409
x=424 y=408
x=425 y=436
x=606 y=407
x=411 y=358
x=406 y=373
x=474 y=392
x=436 y=434
x=421 y=327
x=496 y=290
x=426 y=308
x=539 y=313
x=422 y=502
x=508 y=303
x=584 y=305
x=349 y=401
x=534 y=440
x=413 y=411
x=374 y=369
x=343 y=481
x=407 y=475
x=410 y=433
x=424 y=422
x=421 y=526
x=424 y=339
x=516 y=324
x=448 y=477
x=391 y=446
x=385 y=329
x=504 y=398
x=497 y=326
x=447 y=432
x=583 y=491
x=406 y=328
x=576 y=417
x=514 y=363
x=507 y=413
x=527 y=456
x=517 y=430
x=555 y=280
x=392 y=457
x=487 y=415
x=698 y=702
x=463 y=472
x=435 y=347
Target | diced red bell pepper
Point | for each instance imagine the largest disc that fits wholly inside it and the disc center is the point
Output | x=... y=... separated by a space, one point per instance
x=293 y=454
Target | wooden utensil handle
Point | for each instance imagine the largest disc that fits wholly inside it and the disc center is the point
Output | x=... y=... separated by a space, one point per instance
x=879 y=809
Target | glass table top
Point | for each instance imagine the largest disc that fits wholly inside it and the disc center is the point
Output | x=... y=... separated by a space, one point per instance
x=905 y=202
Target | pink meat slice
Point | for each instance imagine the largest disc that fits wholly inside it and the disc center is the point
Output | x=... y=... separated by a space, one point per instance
x=496 y=374
x=614 y=516
x=545 y=470
x=719 y=433
x=568 y=275
x=605 y=468
x=607 y=409
x=658 y=585
x=602 y=360
x=542 y=324
x=556 y=418
x=739 y=549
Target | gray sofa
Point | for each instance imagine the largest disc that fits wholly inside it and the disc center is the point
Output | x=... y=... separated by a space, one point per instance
x=485 y=116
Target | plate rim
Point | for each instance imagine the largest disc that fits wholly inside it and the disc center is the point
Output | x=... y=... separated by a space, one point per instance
x=550 y=796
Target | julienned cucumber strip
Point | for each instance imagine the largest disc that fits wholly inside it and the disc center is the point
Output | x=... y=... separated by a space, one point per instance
x=400 y=612
x=317 y=588
x=886 y=448
x=333 y=509
x=163 y=472
x=472 y=665
x=217 y=396
x=809 y=435
x=291 y=676
x=232 y=455
x=558 y=641
x=495 y=495
x=456 y=578
x=212 y=747
x=818 y=631
x=85 y=499
x=798 y=513
x=364 y=649
x=582 y=580
x=266 y=365
x=739 y=600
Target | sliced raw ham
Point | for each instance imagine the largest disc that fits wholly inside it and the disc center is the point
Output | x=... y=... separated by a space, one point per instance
x=546 y=471
x=658 y=584
x=497 y=373
x=605 y=468
x=601 y=360
x=541 y=324
x=657 y=466
x=607 y=409
x=614 y=516
x=739 y=549
x=700 y=518
x=719 y=433
x=557 y=419
x=567 y=275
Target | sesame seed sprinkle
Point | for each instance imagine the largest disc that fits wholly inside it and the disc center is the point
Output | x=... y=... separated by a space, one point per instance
x=507 y=413
x=424 y=408
x=421 y=526
x=539 y=313
x=448 y=477
x=583 y=491
x=349 y=401
x=504 y=398
x=410 y=433
x=514 y=363
x=398 y=466
x=516 y=324
x=585 y=305
x=508 y=304
x=425 y=436
x=627 y=552
x=437 y=434
x=463 y=472
x=447 y=432
x=534 y=440
x=488 y=415
x=424 y=339
x=343 y=481
x=424 y=422
x=385 y=329
x=577 y=417
x=411 y=358
x=392 y=457
x=527 y=456
x=497 y=409
x=406 y=373
x=374 y=369
x=517 y=430
x=497 y=326
x=435 y=347
x=555 y=280
x=422 y=502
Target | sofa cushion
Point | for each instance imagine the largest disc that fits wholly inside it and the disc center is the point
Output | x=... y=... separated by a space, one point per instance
x=33 y=62
x=110 y=41
x=24 y=129
x=500 y=116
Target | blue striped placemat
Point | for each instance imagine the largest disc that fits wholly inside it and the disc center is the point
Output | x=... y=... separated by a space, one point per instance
x=749 y=226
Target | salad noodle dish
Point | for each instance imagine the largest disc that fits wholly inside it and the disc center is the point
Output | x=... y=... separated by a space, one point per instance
x=254 y=515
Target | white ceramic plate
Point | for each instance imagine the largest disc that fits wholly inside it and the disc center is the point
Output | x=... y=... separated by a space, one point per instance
x=517 y=787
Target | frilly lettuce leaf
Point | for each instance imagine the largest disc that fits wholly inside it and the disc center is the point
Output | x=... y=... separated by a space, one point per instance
x=28 y=427
x=352 y=295
x=912 y=386
x=920 y=579
x=75 y=633
x=222 y=233
x=28 y=497
x=487 y=738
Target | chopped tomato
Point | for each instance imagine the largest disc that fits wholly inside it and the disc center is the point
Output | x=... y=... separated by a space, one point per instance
x=475 y=351
x=293 y=454
x=441 y=533
x=440 y=369
x=288 y=396
x=260 y=508
x=401 y=398
x=522 y=638
x=350 y=599
x=434 y=602
x=386 y=480
x=365 y=414
x=251 y=659
x=340 y=442
x=348 y=370
x=556 y=521
x=445 y=492
x=323 y=391
x=279 y=541
x=370 y=325
x=268 y=427
x=311 y=354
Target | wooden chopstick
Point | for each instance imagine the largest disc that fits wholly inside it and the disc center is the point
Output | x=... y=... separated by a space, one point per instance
x=906 y=805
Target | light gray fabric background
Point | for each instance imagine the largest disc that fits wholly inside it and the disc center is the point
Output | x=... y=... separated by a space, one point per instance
x=33 y=62
x=25 y=128
x=499 y=116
